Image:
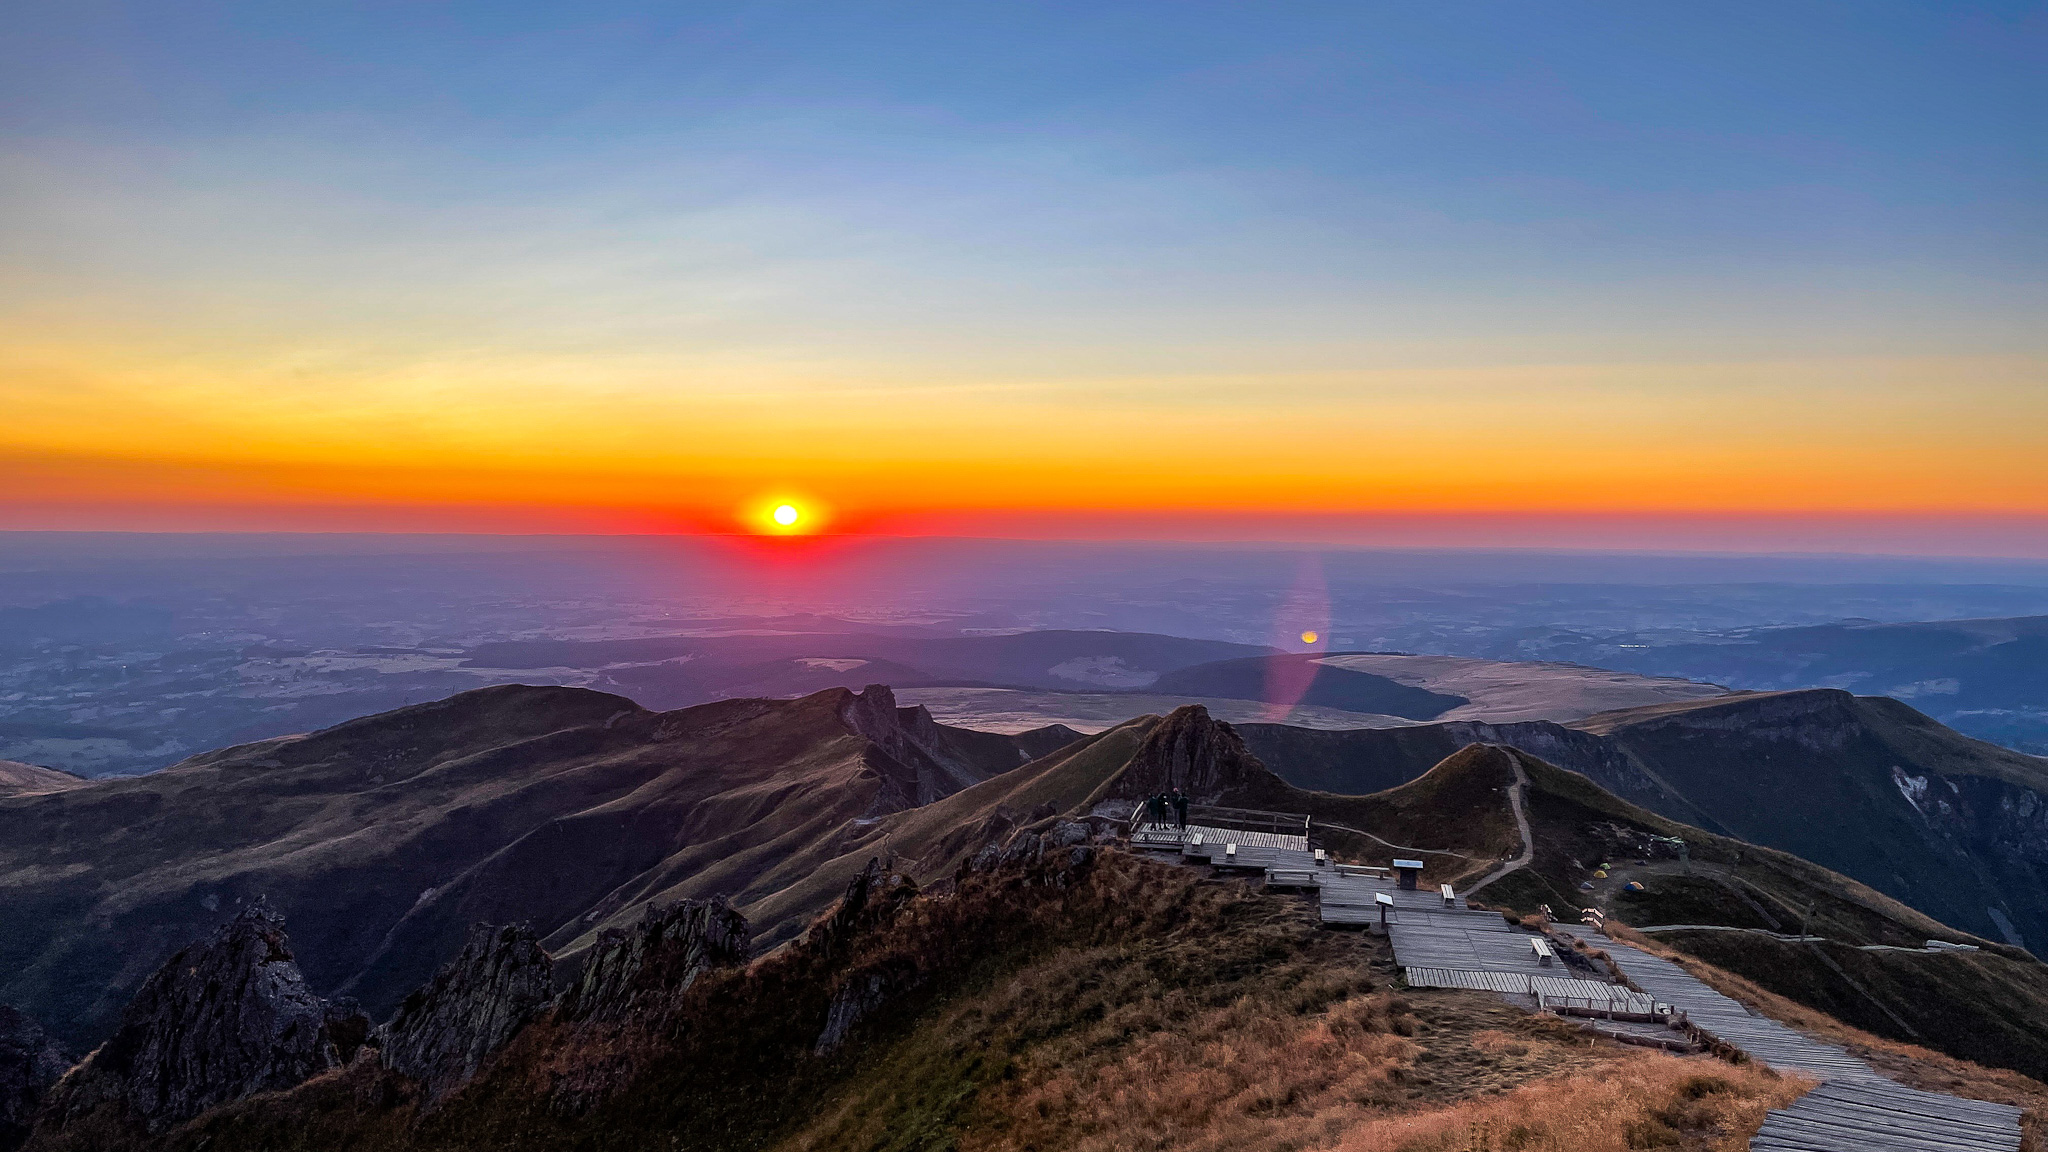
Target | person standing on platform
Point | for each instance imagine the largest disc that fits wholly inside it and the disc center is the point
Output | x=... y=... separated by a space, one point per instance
x=1180 y=808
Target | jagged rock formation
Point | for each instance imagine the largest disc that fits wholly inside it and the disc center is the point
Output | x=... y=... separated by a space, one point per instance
x=561 y=807
x=474 y=1005
x=1201 y=756
x=873 y=896
x=632 y=970
x=1050 y=853
x=912 y=754
x=1032 y=847
x=30 y=1062
x=220 y=1021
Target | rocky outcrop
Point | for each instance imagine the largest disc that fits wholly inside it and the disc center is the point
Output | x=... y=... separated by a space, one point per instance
x=1050 y=851
x=874 y=895
x=1201 y=756
x=220 y=1021
x=30 y=1062
x=859 y=996
x=646 y=967
x=916 y=762
x=474 y=1006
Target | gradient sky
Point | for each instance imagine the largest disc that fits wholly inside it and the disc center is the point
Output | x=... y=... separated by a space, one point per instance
x=1182 y=269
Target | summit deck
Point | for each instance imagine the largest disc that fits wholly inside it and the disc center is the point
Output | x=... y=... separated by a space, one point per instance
x=1854 y=1110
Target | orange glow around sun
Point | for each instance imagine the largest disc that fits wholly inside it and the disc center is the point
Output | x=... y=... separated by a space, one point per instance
x=784 y=516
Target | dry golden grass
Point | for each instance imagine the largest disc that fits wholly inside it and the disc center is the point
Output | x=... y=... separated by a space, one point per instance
x=1642 y=1101
x=1242 y=1076
x=1237 y=1024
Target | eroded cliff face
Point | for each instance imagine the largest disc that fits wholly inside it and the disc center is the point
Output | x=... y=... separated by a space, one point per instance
x=30 y=1063
x=637 y=969
x=2001 y=826
x=474 y=1006
x=221 y=1021
x=915 y=764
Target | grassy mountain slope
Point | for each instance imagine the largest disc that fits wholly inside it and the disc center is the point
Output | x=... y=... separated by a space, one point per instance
x=18 y=779
x=1457 y=818
x=1983 y=1006
x=1866 y=786
x=1112 y=1004
x=383 y=839
x=1987 y=677
x=386 y=839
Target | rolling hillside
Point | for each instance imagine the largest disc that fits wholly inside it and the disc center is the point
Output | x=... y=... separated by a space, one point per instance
x=383 y=839
x=999 y=977
x=18 y=779
x=1866 y=786
x=1986 y=677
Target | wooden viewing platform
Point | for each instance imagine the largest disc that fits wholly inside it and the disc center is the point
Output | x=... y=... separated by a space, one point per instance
x=1219 y=828
x=1439 y=945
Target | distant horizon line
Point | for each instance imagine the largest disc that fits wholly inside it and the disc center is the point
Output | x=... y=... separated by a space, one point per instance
x=1662 y=549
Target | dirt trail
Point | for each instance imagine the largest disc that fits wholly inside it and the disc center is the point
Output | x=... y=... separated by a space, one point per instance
x=1515 y=791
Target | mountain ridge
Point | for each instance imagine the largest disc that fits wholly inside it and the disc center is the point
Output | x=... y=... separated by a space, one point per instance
x=385 y=837
x=1828 y=776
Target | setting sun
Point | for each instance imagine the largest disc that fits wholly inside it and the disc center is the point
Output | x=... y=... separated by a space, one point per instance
x=1309 y=637
x=784 y=514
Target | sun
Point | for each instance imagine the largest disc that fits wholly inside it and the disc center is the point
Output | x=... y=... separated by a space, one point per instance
x=1309 y=637
x=784 y=514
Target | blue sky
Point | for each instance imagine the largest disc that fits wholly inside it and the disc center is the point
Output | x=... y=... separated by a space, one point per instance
x=1199 y=203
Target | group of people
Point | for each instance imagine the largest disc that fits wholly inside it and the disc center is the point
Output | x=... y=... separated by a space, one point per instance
x=1174 y=802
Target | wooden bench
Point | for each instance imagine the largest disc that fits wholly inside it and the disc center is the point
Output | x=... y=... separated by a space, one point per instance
x=1290 y=878
x=1360 y=870
x=1541 y=948
x=1450 y=897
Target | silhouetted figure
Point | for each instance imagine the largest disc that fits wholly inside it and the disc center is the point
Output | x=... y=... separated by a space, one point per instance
x=1180 y=808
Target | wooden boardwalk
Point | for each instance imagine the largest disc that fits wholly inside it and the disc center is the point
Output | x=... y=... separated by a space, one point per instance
x=1729 y=1022
x=1837 y=1117
x=1854 y=1110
